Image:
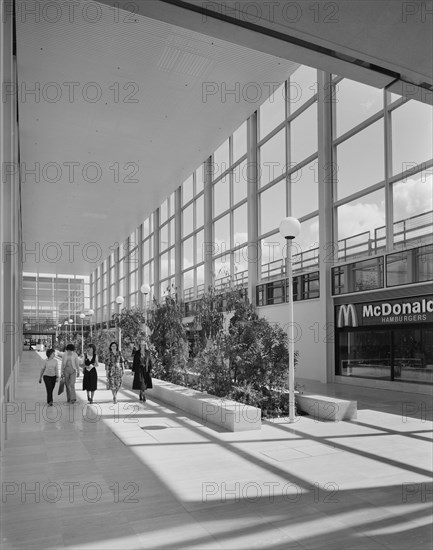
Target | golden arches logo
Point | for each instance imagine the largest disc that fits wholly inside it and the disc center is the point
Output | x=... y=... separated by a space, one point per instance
x=347 y=316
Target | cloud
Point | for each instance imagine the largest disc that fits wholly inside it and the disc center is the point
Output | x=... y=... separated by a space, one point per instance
x=358 y=218
x=412 y=197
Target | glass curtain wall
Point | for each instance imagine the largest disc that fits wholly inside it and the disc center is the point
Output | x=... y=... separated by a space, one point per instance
x=382 y=152
x=192 y=235
x=230 y=217
x=50 y=300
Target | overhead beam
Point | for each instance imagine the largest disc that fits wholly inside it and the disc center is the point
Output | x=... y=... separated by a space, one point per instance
x=300 y=32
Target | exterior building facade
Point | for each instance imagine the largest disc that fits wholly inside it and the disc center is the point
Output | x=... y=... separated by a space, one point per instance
x=51 y=301
x=354 y=165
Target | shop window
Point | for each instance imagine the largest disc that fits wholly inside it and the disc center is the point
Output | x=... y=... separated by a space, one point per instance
x=358 y=276
x=401 y=353
x=260 y=295
x=305 y=287
x=275 y=293
x=310 y=286
x=410 y=266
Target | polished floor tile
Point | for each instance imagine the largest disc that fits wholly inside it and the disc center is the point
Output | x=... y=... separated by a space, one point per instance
x=137 y=476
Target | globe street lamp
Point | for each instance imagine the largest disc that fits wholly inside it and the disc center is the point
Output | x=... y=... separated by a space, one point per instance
x=145 y=290
x=120 y=300
x=82 y=316
x=70 y=328
x=289 y=229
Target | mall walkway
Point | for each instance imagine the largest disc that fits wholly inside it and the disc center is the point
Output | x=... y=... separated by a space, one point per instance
x=139 y=476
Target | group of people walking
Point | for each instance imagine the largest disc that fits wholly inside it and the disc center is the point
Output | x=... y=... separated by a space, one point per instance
x=70 y=370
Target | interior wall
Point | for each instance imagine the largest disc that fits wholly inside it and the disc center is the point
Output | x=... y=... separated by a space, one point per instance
x=310 y=335
x=10 y=221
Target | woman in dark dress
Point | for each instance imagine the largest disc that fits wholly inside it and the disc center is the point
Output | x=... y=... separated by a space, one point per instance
x=90 y=378
x=142 y=367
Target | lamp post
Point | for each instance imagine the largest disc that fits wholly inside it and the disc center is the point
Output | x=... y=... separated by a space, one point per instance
x=82 y=335
x=70 y=328
x=289 y=229
x=90 y=313
x=120 y=300
x=145 y=290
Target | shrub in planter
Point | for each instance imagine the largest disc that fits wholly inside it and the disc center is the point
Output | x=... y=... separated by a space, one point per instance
x=246 y=394
x=169 y=339
x=213 y=369
x=132 y=323
x=258 y=353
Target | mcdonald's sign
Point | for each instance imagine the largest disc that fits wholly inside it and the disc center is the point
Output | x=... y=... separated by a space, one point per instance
x=347 y=316
x=389 y=312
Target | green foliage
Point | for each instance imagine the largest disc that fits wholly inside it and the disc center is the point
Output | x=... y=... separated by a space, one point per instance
x=102 y=340
x=246 y=394
x=247 y=361
x=169 y=337
x=213 y=369
x=132 y=322
x=258 y=350
x=209 y=316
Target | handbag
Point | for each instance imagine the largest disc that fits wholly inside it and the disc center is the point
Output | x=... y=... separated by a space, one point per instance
x=61 y=386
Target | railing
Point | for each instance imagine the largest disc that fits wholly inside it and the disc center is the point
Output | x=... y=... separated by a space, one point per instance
x=411 y=231
x=304 y=261
x=407 y=230
x=354 y=245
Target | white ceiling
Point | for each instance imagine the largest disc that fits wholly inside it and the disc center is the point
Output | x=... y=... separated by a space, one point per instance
x=151 y=127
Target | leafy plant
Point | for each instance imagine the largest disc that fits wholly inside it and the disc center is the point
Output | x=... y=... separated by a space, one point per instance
x=102 y=340
x=213 y=369
x=169 y=337
x=209 y=316
x=132 y=322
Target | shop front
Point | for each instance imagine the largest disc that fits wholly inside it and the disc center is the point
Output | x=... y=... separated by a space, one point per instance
x=386 y=339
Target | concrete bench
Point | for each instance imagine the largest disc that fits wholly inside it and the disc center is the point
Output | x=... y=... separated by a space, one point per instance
x=323 y=407
x=227 y=414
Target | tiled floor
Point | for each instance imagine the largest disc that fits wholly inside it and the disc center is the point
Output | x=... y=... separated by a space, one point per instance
x=138 y=476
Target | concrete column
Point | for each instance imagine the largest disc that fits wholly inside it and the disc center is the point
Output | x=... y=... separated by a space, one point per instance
x=252 y=207
x=326 y=176
x=208 y=244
